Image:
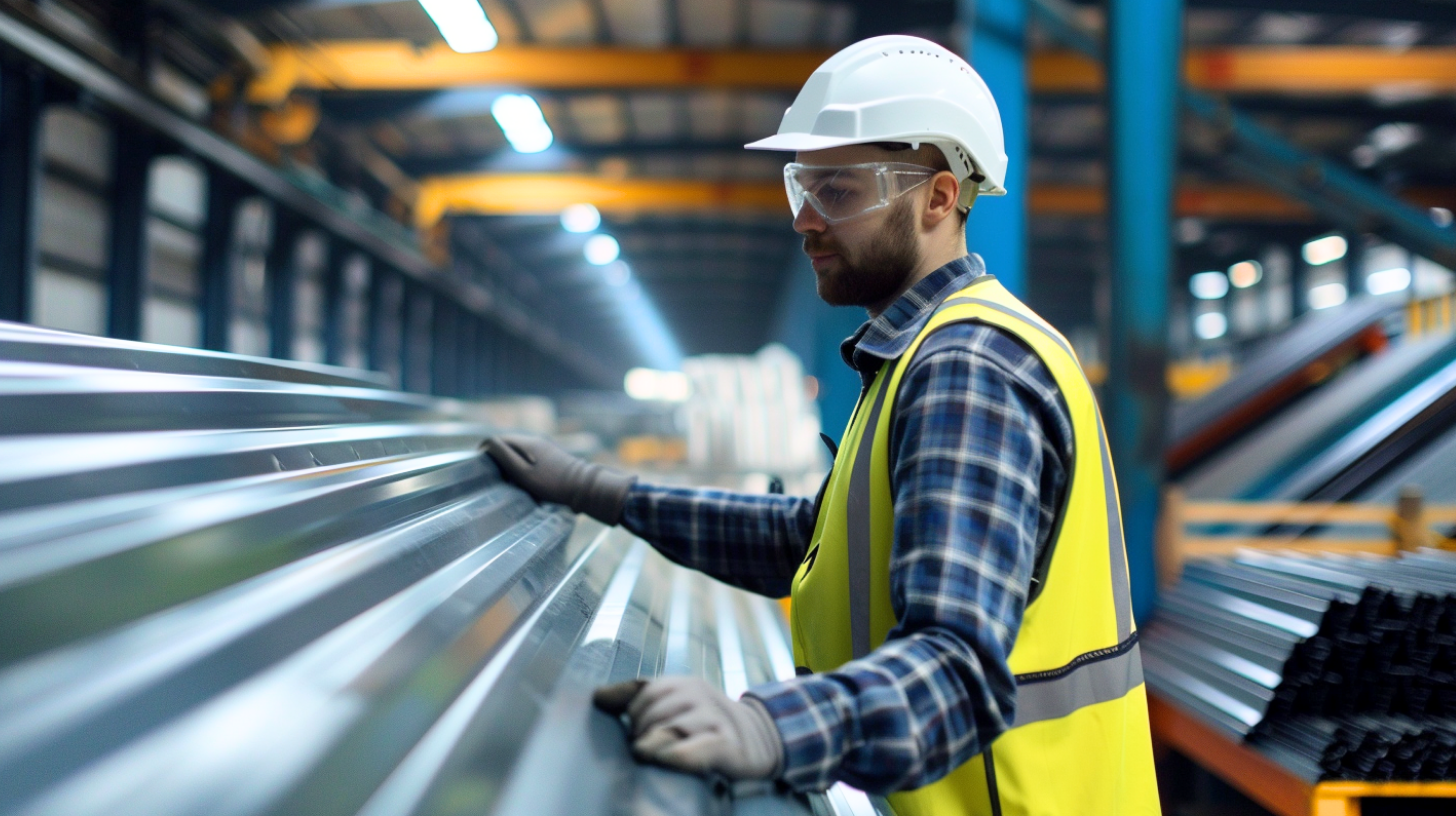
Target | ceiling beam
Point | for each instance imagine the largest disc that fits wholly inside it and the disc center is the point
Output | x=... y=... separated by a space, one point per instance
x=1273 y=70
x=396 y=65
x=1428 y=11
x=548 y=194
x=391 y=65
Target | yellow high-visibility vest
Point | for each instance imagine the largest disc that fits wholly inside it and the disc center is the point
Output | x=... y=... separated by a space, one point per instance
x=1080 y=743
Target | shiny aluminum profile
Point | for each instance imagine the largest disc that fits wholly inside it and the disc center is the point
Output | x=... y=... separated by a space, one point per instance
x=232 y=585
x=1339 y=667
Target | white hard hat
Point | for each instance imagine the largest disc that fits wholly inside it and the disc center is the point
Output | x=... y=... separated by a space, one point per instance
x=898 y=88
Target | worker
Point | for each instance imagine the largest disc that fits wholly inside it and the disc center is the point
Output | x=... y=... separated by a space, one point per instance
x=960 y=612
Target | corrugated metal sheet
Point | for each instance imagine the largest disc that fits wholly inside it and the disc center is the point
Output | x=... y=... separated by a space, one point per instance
x=238 y=586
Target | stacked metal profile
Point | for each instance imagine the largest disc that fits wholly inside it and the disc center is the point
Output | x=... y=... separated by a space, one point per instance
x=242 y=586
x=1338 y=667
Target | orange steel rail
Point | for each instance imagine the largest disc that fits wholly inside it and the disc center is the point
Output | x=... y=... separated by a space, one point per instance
x=1408 y=524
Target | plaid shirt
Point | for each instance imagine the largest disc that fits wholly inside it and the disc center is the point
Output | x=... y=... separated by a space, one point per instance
x=979 y=454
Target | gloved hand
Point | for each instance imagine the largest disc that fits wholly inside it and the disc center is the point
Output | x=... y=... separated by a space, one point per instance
x=550 y=474
x=686 y=723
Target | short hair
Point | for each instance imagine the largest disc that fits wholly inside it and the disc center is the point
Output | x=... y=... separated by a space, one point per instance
x=927 y=155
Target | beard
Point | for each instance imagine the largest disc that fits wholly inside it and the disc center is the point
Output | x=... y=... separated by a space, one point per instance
x=873 y=276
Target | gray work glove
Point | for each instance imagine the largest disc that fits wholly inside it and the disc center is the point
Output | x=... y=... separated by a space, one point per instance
x=550 y=474
x=686 y=723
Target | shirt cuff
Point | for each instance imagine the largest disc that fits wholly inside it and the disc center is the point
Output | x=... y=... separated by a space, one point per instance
x=811 y=730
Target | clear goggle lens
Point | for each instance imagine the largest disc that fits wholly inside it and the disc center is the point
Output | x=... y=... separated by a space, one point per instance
x=841 y=192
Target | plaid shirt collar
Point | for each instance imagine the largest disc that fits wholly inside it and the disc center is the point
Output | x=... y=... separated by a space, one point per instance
x=887 y=336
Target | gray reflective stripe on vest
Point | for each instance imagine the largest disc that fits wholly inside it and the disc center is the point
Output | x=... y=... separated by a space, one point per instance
x=858 y=531
x=1097 y=681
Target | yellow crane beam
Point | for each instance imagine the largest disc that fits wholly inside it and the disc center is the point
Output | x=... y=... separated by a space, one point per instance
x=387 y=65
x=394 y=65
x=1275 y=70
x=550 y=193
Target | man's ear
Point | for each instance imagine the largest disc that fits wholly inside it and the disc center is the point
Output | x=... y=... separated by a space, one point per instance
x=944 y=193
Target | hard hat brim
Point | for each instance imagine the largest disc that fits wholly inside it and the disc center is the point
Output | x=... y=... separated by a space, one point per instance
x=801 y=141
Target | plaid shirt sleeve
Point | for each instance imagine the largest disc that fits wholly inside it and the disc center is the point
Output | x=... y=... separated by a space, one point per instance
x=979 y=444
x=752 y=541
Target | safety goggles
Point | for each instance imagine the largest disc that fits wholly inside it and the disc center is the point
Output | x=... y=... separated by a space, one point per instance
x=841 y=192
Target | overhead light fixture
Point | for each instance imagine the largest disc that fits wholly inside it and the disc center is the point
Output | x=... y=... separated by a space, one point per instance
x=1245 y=274
x=1209 y=285
x=1388 y=281
x=463 y=24
x=521 y=120
x=1327 y=295
x=601 y=250
x=1210 y=325
x=1324 y=250
x=580 y=218
x=652 y=384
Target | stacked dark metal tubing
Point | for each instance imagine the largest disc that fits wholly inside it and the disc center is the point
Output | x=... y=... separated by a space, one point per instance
x=1338 y=667
x=239 y=586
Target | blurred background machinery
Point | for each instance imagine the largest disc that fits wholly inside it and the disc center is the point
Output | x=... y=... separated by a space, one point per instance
x=271 y=268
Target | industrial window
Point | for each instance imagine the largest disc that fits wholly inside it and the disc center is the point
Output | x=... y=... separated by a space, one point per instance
x=68 y=288
x=248 y=329
x=177 y=207
x=309 y=298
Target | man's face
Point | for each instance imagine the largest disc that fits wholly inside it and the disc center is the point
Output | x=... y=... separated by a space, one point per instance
x=865 y=260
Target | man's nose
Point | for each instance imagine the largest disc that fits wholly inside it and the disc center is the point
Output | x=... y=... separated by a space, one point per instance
x=809 y=220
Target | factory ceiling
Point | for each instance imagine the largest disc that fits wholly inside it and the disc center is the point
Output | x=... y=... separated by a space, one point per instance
x=655 y=98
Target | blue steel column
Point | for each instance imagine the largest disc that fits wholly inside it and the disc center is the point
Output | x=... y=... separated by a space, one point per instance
x=1144 y=39
x=996 y=48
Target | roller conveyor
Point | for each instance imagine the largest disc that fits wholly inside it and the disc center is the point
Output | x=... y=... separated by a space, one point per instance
x=244 y=586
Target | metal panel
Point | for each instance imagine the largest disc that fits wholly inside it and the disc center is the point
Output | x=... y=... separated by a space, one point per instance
x=251 y=586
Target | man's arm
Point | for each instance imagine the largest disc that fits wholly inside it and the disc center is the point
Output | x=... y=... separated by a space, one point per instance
x=975 y=445
x=753 y=541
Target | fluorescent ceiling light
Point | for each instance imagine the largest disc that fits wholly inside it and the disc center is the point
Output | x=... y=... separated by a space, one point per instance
x=601 y=250
x=1327 y=294
x=1326 y=249
x=1208 y=285
x=1245 y=274
x=580 y=218
x=520 y=118
x=1388 y=281
x=463 y=24
x=1210 y=325
x=651 y=384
